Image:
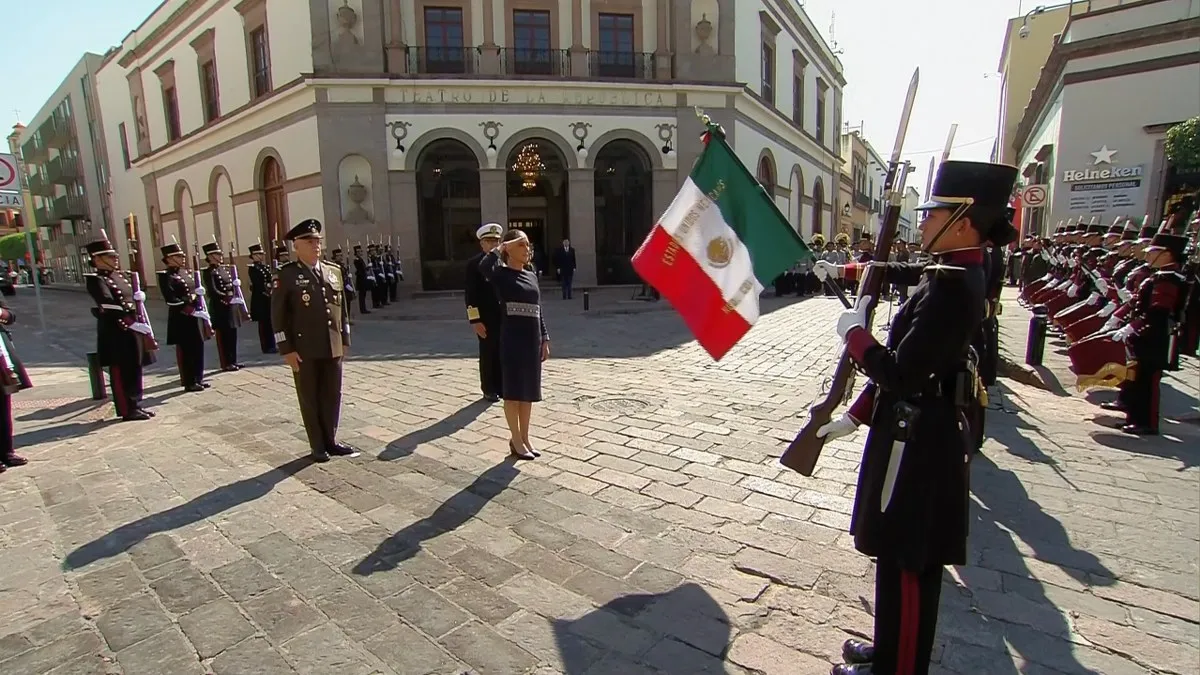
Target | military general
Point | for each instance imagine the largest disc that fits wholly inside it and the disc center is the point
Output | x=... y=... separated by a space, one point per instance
x=312 y=330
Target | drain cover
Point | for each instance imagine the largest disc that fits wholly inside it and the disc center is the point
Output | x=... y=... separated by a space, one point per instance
x=620 y=405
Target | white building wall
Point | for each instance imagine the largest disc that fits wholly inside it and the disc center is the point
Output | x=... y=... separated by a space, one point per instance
x=749 y=144
x=126 y=194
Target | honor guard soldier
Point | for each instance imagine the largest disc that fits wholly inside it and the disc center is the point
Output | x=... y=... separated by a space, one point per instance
x=187 y=322
x=339 y=258
x=364 y=281
x=119 y=343
x=13 y=378
x=378 y=277
x=281 y=256
x=221 y=292
x=484 y=313
x=393 y=272
x=308 y=308
x=912 y=505
x=260 y=298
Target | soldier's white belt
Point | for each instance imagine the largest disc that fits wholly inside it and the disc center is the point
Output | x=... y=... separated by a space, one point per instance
x=522 y=309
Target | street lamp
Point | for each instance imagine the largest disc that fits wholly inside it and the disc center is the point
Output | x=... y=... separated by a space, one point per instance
x=1024 y=31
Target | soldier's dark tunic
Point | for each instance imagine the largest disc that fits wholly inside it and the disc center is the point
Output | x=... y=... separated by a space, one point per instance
x=922 y=525
x=118 y=347
x=364 y=282
x=220 y=293
x=483 y=307
x=522 y=329
x=308 y=311
x=185 y=330
x=260 y=305
x=14 y=379
x=1160 y=301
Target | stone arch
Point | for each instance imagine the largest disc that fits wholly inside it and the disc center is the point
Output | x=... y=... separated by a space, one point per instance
x=765 y=171
x=412 y=156
x=448 y=211
x=818 y=209
x=652 y=154
x=796 y=210
x=214 y=177
x=543 y=134
x=185 y=221
x=624 y=198
x=261 y=159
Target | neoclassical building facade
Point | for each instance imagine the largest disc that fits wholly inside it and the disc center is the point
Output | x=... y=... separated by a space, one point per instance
x=571 y=120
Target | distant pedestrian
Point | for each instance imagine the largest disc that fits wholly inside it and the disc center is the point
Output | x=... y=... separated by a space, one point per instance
x=565 y=263
x=13 y=378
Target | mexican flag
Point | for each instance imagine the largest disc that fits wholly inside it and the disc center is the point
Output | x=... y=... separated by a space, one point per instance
x=718 y=245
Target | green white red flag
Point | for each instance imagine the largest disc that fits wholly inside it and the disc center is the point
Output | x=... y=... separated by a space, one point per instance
x=720 y=242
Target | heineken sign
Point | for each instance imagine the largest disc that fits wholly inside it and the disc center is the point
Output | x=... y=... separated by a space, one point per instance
x=1110 y=173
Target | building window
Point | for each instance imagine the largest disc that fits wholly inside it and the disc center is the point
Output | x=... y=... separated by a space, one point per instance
x=531 y=41
x=444 y=40
x=209 y=93
x=615 y=44
x=124 y=144
x=821 y=89
x=768 y=73
x=171 y=112
x=798 y=98
x=260 y=62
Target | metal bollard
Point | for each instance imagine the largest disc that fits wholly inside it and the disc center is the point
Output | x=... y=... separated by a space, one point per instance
x=1035 y=342
x=586 y=301
x=96 y=377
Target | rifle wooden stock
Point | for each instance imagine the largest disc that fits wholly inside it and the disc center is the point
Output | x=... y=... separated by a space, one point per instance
x=802 y=454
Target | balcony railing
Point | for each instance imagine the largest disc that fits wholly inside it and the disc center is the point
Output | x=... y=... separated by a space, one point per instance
x=42 y=216
x=40 y=185
x=443 y=60
x=56 y=132
x=521 y=61
x=69 y=206
x=62 y=170
x=631 y=65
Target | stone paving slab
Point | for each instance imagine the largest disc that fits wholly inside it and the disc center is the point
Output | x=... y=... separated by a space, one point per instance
x=657 y=535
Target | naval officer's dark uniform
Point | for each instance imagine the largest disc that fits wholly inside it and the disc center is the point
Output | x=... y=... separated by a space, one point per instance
x=912 y=505
x=308 y=310
x=185 y=330
x=260 y=301
x=483 y=307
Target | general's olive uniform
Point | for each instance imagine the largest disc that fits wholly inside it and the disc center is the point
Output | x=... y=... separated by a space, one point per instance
x=309 y=314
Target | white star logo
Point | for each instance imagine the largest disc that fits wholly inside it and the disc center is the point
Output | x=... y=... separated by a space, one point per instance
x=1103 y=156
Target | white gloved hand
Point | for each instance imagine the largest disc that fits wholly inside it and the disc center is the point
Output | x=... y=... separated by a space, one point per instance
x=1073 y=291
x=824 y=269
x=1111 y=324
x=1123 y=333
x=855 y=317
x=842 y=426
x=139 y=296
x=1124 y=295
x=199 y=290
x=140 y=327
x=1102 y=286
x=237 y=282
x=1093 y=298
x=1108 y=309
x=1072 y=263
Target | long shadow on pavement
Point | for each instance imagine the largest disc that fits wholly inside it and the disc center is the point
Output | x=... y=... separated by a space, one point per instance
x=57 y=433
x=681 y=631
x=206 y=505
x=449 y=516
x=457 y=421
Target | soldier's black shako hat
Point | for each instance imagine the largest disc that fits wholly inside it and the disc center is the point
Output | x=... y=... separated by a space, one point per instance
x=281 y=250
x=336 y=251
x=255 y=248
x=170 y=250
x=1174 y=243
x=1096 y=229
x=99 y=247
x=211 y=248
x=980 y=184
x=307 y=229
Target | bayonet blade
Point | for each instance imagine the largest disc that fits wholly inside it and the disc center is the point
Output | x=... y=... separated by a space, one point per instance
x=949 y=142
x=909 y=100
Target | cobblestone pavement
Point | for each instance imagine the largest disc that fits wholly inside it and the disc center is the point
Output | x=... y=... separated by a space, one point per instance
x=657 y=535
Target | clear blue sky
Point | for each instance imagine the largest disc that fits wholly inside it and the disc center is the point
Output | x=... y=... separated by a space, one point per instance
x=955 y=42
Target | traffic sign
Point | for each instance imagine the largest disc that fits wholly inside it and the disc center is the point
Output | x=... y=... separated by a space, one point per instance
x=10 y=183
x=1034 y=196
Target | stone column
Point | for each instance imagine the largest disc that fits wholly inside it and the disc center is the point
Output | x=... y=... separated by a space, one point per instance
x=402 y=192
x=666 y=184
x=662 y=54
x=578 y=54
x=493 y=196
x=581 y=210
x=397 y=50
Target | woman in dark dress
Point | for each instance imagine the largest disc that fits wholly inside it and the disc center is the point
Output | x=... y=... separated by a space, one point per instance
x=524 y=343
x=13 y=378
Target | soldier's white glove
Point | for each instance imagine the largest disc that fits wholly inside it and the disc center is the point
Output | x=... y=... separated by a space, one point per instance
x=1124 y=295
x=1111 y=324
x=140 y=327
x=1123 y=334
x=1093 y=298
x=1072 y=263
x=1107 y=309
x=237 y=282
x=139 y=297
x=824 y=269
x=1102 y=286
x=1073 y=291
x=842 y=426
x=200 y=290
x=853 y=318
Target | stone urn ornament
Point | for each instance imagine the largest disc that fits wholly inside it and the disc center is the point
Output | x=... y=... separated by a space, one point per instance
x=704 y=29
x=357 y=193
x=347 y=19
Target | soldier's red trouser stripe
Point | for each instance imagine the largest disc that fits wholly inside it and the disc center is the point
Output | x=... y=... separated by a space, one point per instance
x=910 y=622
x=118 y=387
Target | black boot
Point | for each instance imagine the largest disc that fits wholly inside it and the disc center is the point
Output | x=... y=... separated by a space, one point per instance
x=857 y=651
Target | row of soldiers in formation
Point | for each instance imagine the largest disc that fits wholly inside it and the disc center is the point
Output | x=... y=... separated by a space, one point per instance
x=203 y=304
x=1126 y=299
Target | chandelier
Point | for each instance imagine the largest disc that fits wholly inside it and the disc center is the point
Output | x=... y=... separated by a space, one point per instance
x=529 y=166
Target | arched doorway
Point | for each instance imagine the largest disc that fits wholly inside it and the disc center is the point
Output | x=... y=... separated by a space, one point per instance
x=448 y=213
x=624 y=199
x=819 y=209
x=537 y=196
x=274 y=200
x=766 y=175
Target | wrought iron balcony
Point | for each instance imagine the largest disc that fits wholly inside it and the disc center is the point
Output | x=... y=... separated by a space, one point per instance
x=42 y=217
x=443 y=60
x=68 y=206
x=630 y=65
x=56 y=132
x=40 y=185
x=62 y=170
x=523 y=61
